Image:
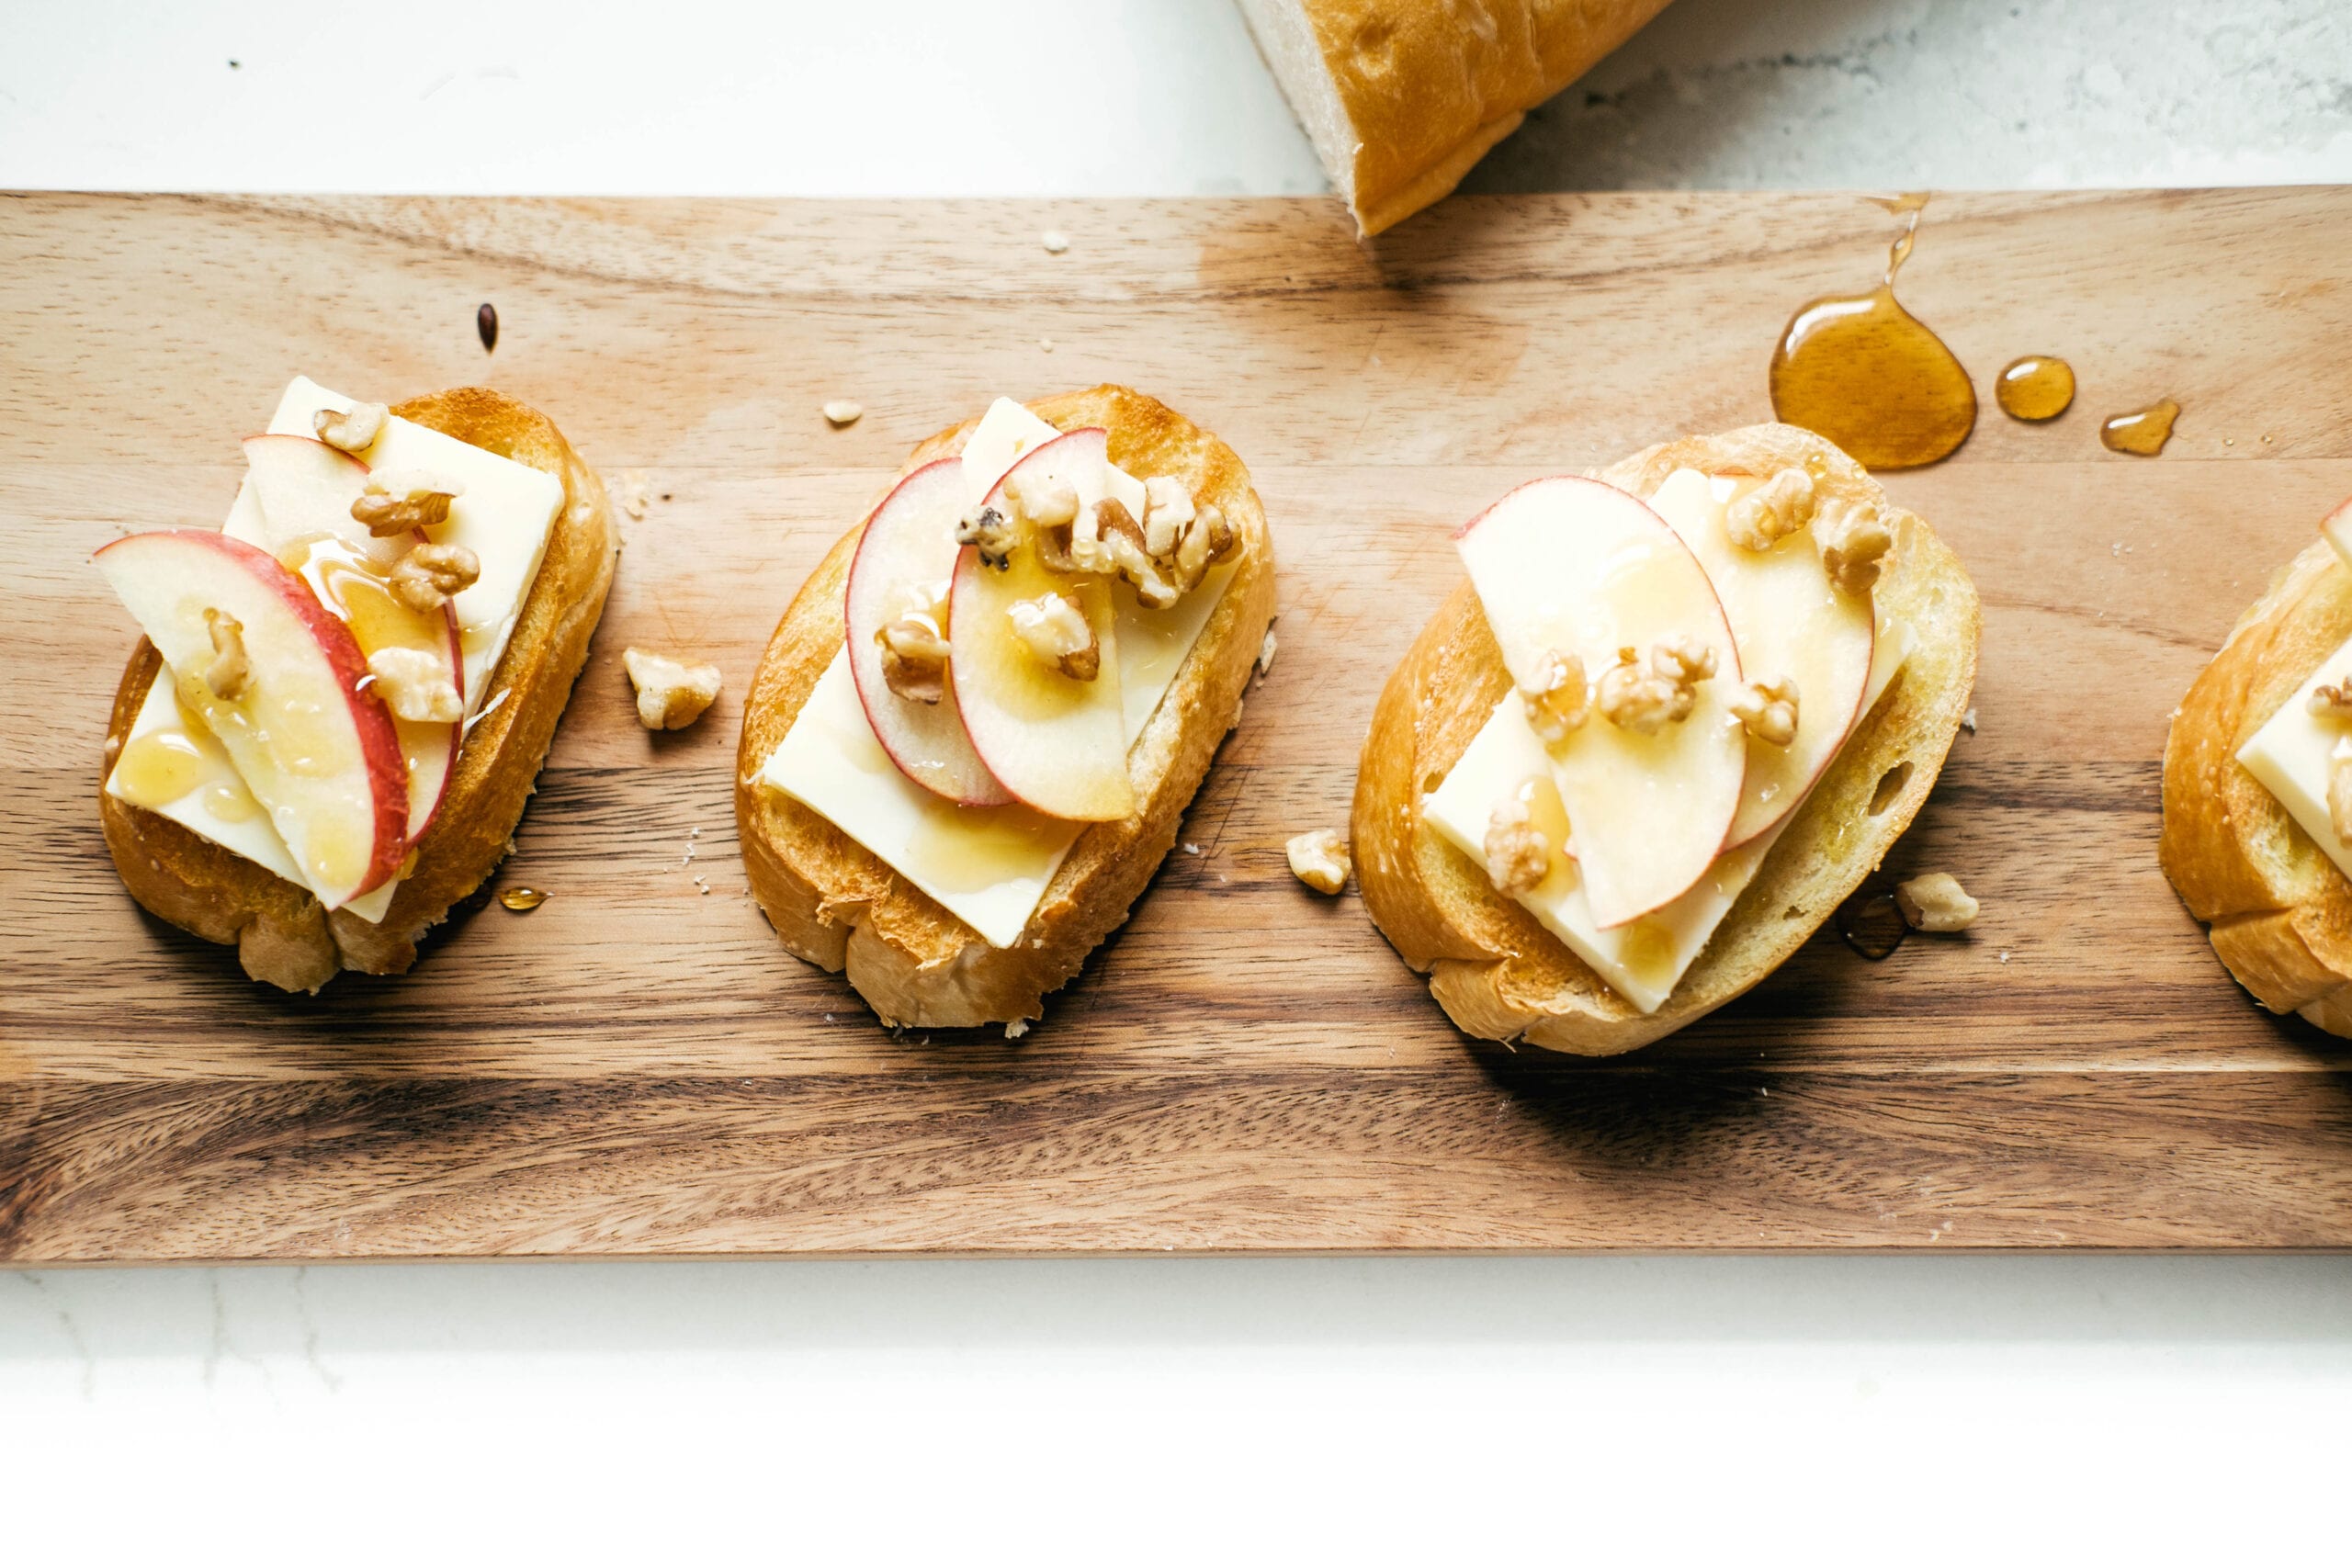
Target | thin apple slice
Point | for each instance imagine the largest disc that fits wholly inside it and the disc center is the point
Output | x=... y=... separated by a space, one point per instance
x=317 y=750
x=1791 y=624
x=1580 y=567
x=350 y=583
x=909 y=550
x=1057 y=744
x=306 y=488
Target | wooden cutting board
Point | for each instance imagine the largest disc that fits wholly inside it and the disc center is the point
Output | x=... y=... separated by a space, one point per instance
x=637 y=1067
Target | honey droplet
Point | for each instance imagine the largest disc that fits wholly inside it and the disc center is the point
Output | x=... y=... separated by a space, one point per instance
x=158 y=769
x=522 y=899
x=1867 y=374
x=1872 y=923
x=2038 y=387
x=2142 y=433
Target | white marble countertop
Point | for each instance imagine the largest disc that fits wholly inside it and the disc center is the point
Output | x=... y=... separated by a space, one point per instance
x=1165 y=1410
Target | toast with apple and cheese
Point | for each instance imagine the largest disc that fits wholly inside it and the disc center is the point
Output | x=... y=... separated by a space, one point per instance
x=1059 y=721
x=1680 y=711
x=469 y=608
x=2258 y=790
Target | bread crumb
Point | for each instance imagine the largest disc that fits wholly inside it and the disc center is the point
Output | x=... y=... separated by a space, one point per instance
x=1047 y=343
x=1320 y=860
x=1016 y=1028
x=1191 y=848
x=1266 y=652
x=671 y=693
x=842 y=412
x=1935 y=902
x=1968 y=720
x=1054 y=241
x=630 y=490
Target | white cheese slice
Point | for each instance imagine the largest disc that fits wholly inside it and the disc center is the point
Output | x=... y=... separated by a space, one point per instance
x=1644 y=960
x=505 y=517
x=986 y=866
x=2338 y=532
x=2290 y=755
x=211 y=800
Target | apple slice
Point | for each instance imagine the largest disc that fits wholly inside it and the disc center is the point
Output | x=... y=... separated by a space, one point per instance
x=909 y=547
x=1581 y=567
x=356 y=589
x=319 y=752
x=306 y=488
x=1791 y=624
x=1057 y=744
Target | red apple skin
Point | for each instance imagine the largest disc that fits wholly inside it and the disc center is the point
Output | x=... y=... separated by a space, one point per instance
x=966 y=779
x=371 y=720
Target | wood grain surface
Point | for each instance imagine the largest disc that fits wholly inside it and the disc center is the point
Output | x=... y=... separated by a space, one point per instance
x=637 y=1068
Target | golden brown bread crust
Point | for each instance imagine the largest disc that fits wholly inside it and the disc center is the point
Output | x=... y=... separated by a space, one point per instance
x=1493 y=967
x=2279 y=911
x=1425 y=94
x=837 y=906
x=281 y=933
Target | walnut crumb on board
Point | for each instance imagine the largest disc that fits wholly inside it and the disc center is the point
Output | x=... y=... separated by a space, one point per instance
x=1013 y=1031
x=1935 y=902
x=842 y=412
x=671 y=693
x=1055 y=242
x=1320 y=860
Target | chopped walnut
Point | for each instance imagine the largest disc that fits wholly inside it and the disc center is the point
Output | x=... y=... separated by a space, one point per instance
x=1320 y=860
x=1646 y=702
x=1124 y=545
x=1772 y=511
x=400 y=500
x=2339 y=790
x=1167 y=511
x=1768 y=710
x=1935 y=902
x=230 y=671
x=354 y=431
x=671 y=693
x=430 y=575
x=1559 y=699
x=1207 y=539
x=1041 y=502
x=415 y=685
x=989 y=531
x=1057 y=632
x=1517 y=855
x=915 y=649
x=1854 y=540
x=2332 y=701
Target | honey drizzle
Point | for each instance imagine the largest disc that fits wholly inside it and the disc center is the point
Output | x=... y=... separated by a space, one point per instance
x=1863 y=371
x=522 y=899
x=2142 y=432
x=2035 y=387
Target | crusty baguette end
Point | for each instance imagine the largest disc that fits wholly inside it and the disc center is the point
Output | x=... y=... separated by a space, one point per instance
x=282 y=934
x=1496 y=971
x=836 y=905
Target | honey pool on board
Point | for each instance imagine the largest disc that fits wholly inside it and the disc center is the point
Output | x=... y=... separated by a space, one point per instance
x=1864 y=372
x=2038 y=387
x=522 y=899
x=2143 y=431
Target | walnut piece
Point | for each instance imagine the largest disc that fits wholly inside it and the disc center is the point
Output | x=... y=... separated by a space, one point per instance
x=671 y=693
x=914 y=647
x=1517 y=855
x=841 y=412
x=1057 y=632
x=2339 y=790
x=1935 y=902
x=2332 y=701
x=1768 y=710
x=1559 y=699
x=230 y=671
x=1854 y=539
x=402 y=498
x=1041 y=502
x=1320 y=860
x=430 y=575
x=354 y=431
x=415 y=685
x=1772 y=511
x=1644 y=702
x=989 y=531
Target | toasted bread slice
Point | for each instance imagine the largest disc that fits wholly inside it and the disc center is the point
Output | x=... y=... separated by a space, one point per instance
x=2277 y=910
x=838 y=905
x=282 y=933
x=1493 y=967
